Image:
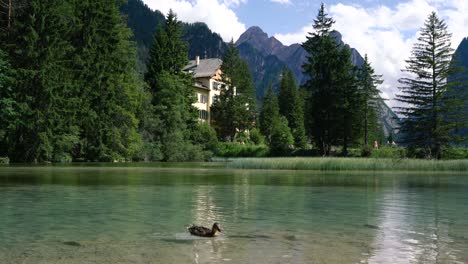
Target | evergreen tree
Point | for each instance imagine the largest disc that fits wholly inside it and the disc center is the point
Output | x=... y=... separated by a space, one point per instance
x=370 y=97
x=281 y=138
x=274 y=126
x=39 y=48
x=348 y=101
x=172 y=114
x=291 y=107
x=8 y=107
x=427 y=107
x=108 y=87
x=234 y=109
x=332 y=99
x=268 y=114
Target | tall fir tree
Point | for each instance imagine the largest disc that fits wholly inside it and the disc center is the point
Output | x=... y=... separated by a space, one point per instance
x=8 y=106
x=268 y=114
x=234 y=109
x=428 y=110
x=330 y=107
x=39 y=48
x=172 y=94
x=274 y=126
x=291 y=107
x=370 y=98
x=108 y=87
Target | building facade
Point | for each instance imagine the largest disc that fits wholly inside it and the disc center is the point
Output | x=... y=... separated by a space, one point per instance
x=207 y=85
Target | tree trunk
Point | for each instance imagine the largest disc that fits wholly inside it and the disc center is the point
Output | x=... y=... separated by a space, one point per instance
x=9 y=14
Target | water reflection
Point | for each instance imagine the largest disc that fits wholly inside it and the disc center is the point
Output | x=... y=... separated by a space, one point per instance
x=128 y=214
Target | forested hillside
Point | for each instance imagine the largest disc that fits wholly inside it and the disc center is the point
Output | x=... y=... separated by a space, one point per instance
x=143 y=21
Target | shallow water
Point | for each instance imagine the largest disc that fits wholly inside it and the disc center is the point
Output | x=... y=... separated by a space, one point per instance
x=122 y=214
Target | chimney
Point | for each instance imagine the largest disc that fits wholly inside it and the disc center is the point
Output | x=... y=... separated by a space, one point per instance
x=198 y=60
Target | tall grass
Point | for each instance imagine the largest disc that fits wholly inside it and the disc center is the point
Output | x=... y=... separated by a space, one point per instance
x=349 y=164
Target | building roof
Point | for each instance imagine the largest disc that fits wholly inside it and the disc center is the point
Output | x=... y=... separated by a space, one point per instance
x=206 y=68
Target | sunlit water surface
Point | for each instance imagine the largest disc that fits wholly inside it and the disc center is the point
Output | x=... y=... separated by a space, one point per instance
x=104 y=214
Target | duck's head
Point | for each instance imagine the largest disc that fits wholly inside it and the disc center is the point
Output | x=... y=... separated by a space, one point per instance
x=216 y=228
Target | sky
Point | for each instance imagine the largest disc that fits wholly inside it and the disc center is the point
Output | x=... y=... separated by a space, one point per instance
x=385 y=30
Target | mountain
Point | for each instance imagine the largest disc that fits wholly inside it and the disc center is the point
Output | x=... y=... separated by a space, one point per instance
x=460 y=59
x=143 y=22
x=291 y=56
x=267 y=57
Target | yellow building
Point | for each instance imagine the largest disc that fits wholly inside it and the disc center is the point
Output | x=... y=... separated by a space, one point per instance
x=207 y=74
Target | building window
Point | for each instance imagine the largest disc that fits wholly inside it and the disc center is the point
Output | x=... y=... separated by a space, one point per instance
x=203 y=99
x=203 y=114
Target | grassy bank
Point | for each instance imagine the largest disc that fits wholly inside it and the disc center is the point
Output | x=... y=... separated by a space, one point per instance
x=349 y=164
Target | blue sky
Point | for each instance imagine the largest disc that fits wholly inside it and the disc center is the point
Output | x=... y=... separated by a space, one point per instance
x=385 y=30
x=276 y=18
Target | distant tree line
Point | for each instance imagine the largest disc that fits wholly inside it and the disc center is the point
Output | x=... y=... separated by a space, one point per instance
x=71 y=90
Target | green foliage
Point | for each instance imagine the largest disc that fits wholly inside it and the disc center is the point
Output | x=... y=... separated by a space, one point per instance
x=4 y=160
x=203 y=42
x=205 y=136
x=230 y=149
x=268 y=114
x=333 y=99
x=349 y=164
x=431 y=115
x=281 y=138
x=172 y=119
x=389 y=152
x=455 y=153
x=369 y=98
x=234 y=109
x=291 y=106
x=256 y=137
x=76 y=89
x=8 y=106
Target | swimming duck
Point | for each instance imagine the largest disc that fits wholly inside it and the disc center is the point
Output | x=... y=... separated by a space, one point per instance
x=204 y=231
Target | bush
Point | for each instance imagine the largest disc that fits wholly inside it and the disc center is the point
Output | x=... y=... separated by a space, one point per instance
x=229 y=149
x=256 y=137
x=281 y=137
x=389 y=152
x=366 y=151
x=455 y=153
x=4 y=160
x=205 y=136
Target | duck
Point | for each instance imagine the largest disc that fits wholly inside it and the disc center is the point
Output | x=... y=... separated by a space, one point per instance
x=204 y=231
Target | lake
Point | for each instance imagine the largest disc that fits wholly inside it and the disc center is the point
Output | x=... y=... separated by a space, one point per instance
x=139 y=213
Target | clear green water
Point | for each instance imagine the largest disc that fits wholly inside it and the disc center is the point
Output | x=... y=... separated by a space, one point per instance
x=134 y=214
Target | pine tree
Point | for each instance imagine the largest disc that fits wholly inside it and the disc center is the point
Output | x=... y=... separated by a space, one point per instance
x=281 y=138
x=332 y=88
x=268 y=114
x=108 y=86
x=234 y=109
x=427 y=107
x=274 y=126
x=348 y=101
x=39 y=48
x=370 y=98
x=8 y=106
x=291 y=107
x=172 y=114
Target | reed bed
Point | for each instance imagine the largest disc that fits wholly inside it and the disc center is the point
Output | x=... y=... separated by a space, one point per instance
x=349 y=164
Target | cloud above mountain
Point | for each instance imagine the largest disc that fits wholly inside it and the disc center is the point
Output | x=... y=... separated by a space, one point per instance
x=387 y=34
x=218 y=15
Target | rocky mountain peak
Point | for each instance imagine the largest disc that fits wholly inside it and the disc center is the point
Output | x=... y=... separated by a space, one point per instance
x=260 y=40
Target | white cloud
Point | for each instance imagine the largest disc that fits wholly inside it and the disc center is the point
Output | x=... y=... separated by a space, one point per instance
x=283 y=2
x=387 y=34
x=234 y=2
x=218 y=15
